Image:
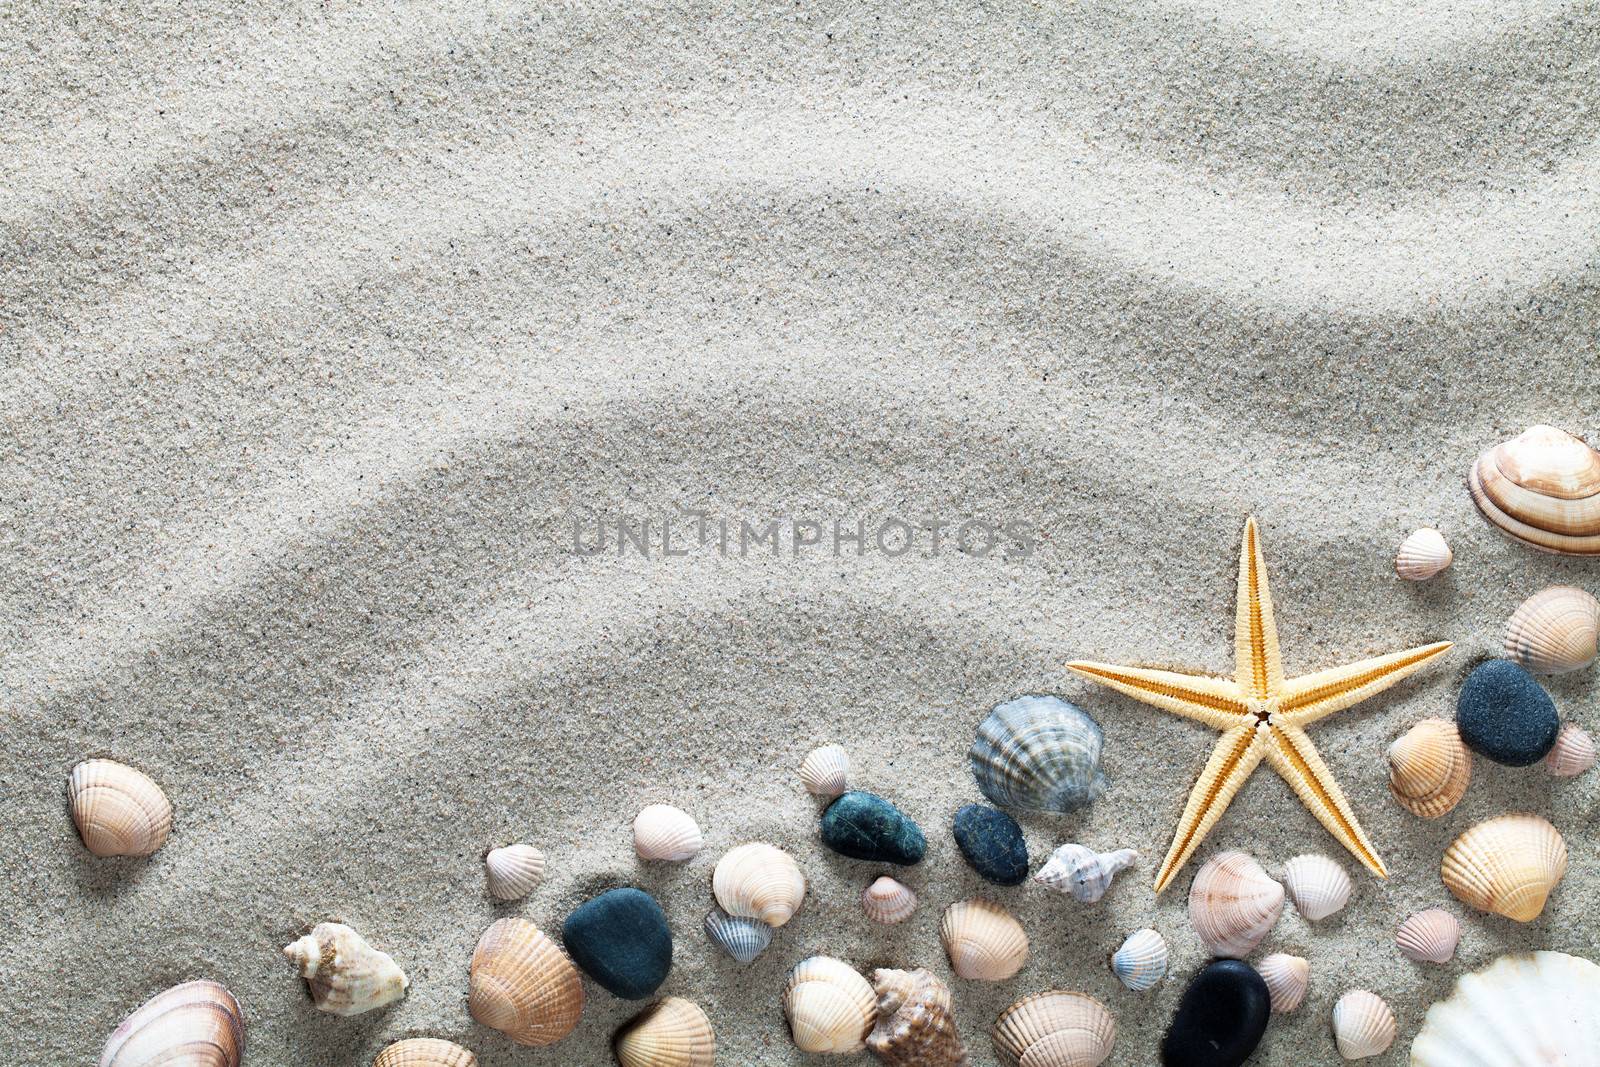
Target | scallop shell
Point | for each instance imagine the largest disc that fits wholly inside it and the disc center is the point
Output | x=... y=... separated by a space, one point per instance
x=119 y=811
x=743 y=939
x=1507 y=865
x=1287 y=977
x=1233 y=904
x=915 y=1027
x=1039 y=753
x=346 y=976
x=983 y=940
x=1554 y=631
x=1429 y=768
x=513 y=871
x=1363 y=1025
x=1055 y=1029
x=663 y=832
x=1422 y=555
x=1318 y=886
x=1573 y=753
x=759 y=881
x=1542 y=488
x=523 y=985
x=425 y=1052
x=1429 y=936
x=1141 y=962
x=672 y=1032
x=1083 y=872
x=196 y=1024
x=829 y=1006
x=887 y=901
x=1535 y=1010
x=825 y=772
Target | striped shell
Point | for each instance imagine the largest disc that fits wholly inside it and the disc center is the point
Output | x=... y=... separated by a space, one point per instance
x=346 y=975
x=672 y=1032
x=1363 y=1025
x=1554 y=631
x=513 y=871
x=1287 y=977
x=119 y=811
x=888 y=902
x=196 y=1024
x=1542 y=488
x=743 y=939
x=1141 y=962
x=983 y=940
x=1429 y=936
x=1422 y=555
x=825 y=772
x=1083 y=872
x=1532 y=1010
x=1055 y=1029
x=1038 y=753
x=759 y=881
x=425 y=1052
x=829 y=1006
x=1318 y=886
x=663 y=832
x=915 y=1026
x=1572 y=754
x=1429 y=768
x=1233 y=904
x=1507 y=865
x=523 y=985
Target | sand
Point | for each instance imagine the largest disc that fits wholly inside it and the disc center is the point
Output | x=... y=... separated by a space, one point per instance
x=322 y=326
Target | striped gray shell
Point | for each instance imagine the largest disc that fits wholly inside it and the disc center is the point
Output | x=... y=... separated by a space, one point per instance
x=743 y=939
x=1039 y=753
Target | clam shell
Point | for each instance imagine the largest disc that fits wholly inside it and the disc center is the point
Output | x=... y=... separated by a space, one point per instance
x=825 y=772
x=513 y=871
x=663 y=832
x=1287 y=977
x=1429 y=768
x=1363 y=1025
x=1507 y=865
x=1083 y=872
x=425 y=1052
x=829 y=1006
x=523 y=984
x=1038 y=753
x=672 y=1032
x=1574 y=752
x=743 y=939
x=887 y=901
x=983 y=940
x=346 y=975
x=1542 y=488
x=1055 y=1029
x=1141 y=962
x=1233 y=904
x=1429 y=936
x=1318 y=886
x=1554 y=631
x=1533 y=1010
x=759 y=881
x=916 y=1026
x=119 y=811
x=196 y=1024
x=1422 y=555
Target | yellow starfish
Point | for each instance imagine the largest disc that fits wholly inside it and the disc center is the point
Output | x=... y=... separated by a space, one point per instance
x=1261 y=716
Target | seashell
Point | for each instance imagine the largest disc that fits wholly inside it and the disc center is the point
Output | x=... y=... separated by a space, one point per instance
x=825 y=772
x=1574 y=752
x=425 y=1052
x=743 y=939
x=196 y=1024
x=523 y=985
x=672 y=1032
x=119 y=811
x=1507 y=865
x=1083 y=872
x=829 y=1006
x=1363 y=1025
x=1039 y=753
x=1318 y=886
x=983 y=940
x=1055 y=1029
x=1542 y=488
x=915 y=1027
x=759 y=881
x=1141 y=962
x=1429 y=936
x=1554 y=631
x=1529 y=1010
x=1422 y=555
x=346 y=975
x=1233 y=904
x=513 y=871
x=663 y=832
x=1287 y=977
x=887 y=901
x=1429 y=768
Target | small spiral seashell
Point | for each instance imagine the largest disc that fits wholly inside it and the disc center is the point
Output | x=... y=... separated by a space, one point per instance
x=743 y=939
x=759 y=881
x=825 y=772
x=425 y=1052
x=1554 y=631
x=984 y=941
x=888 y=902
x=673 y=1032
x=663 y=832
x=1422 y=555
x=523 y=985
x=1083 y=872
x=1429 y=768
x=1528 y=1009
x=1507 y=865
x=1233 y=904
x=1038 y=753
x=196 y=1024
x=1141 y=962
x=1572 y=754
x=1287 y=977
x=346 y=976
x=1429 y=936
x=513 y=871
x=1055 y=1029
x=916 y=1025
x=1363 y=1025
x=1318 y=886
x=829 y=1006
x=1542 y=488
x=119 y=811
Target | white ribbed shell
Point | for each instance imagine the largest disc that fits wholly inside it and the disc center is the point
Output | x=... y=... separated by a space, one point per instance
x=663 y=832
x=1233 y=904
x=1538 y=1010
x=1363 y=1025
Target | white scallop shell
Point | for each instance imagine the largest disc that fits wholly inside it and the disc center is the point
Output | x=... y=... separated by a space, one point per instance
x=119 y=811
x=1141 y=962
x=1318 y=885
x=830 y=1007
x=1554 y=631
x=759 y=881
x=887 y=901
x=1531 y=1010
x=346 y=975
x=196 y=1024
x=1363 y=1025
x=742 y=938
x=984 y=941
x=825 y=772
x=1572 y=754
x=1083 y=872
x=663 y=832
x=1233 y=904
x=1287 y=977
x=1422 y=555
x=513 y=871
x=1429 y=936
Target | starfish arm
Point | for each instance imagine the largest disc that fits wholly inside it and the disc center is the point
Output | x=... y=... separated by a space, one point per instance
x=1293 y=756
x=1213 y=701
x=1258 y=662
x=1316 y=696
x=1239 y=751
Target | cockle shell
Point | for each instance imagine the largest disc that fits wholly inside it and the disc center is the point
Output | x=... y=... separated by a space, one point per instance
x=743 y=939
x=1507 y=865
x=425 y=1052
x=1141 y=962
x=672 y=1032
x=887 y=901
x=119 y=811
x=1233 y=904
x=1554 y=631
x=1532 y=1010
x=513 y=871
x=1083 y=872
x=1422 y=555
x=346 y=976
x=663 y=832
x=1038 y=753
x=1574 y=752
x=1287 y=977
x=916 y=1026
x=1542 y=488
x=196 y=1024
x=523 y=985
x=1429 y=768
x=1055 y=1029
x=1429 y=936
x=984 y=940
x=829 y=1006
x=759 y=881
x=1318 y=885
x=1363 y=1025
x=825 y=772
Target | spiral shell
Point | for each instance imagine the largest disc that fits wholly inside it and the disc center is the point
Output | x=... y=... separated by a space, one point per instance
x=983 y=940
x=1573 y=753
x=1039 y=753
x=196 y=1024
x=888 y=902
x=1507 y=865
x=346 y=976
x=1429 y=936
x=1542 y=488
x=672 y=1032
x=513 y=871
x=829 y=1006
x=916 y=1026
x=523 y=985
x=1287 y=977
x=1539 y=1009
x=119 y=811
x=1141 y=962
x=1083 y=872
x=743 y=939
x=1055 y=1029
x=663 y=832
x=759 y=881
x=1554 y=631
x=1363 y=1025
x=425 y=1052
x=1429 y=768
x=1422 y=555
x=1233 y=904
x=1318 y=886
x=825 y=772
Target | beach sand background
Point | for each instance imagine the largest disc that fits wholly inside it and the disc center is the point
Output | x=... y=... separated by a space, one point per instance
x=322 y=322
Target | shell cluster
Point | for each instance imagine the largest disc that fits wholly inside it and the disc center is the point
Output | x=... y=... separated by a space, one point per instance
x=1055 y=1029
x=984 y=941
x=346 y=976
x=1233 y=904
x=825 y=772
x=1141 y=961
x=759 y=881
x=1082 y=872
x=1554 y=631
x=672 y=1032
x=1422 y=555
x=1542 y=487
x=830 y=1007
x=1429 y=936
x=1038 y=753
x=425 y=1052
x=915 y=1024
x=1531 y=1010
x=513 y=871
x=1363 y=1025
x=522 y=984
x=663 y=832
x=887 y=901
x=1506 y=865
x=1288 y=978
x=196 y=1024
x=1430 y=768
x=1318 y=886
x=119 y=811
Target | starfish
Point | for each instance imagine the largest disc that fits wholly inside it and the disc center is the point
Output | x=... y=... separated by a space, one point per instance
x=1262 y=717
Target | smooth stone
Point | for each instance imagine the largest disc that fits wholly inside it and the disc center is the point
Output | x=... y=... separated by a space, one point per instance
x=992 y=843
x=1504 y=714
x=621 y=940
x=1220 y=1019
x=864 y=826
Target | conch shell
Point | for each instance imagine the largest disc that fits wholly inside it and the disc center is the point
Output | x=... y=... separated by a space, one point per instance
x=915 y=1027
x=523 y=985
x=1363 y=1025
x=346 y=975
x=829 y=1006
x=1422 y=555
x=1233 y=904
x=1554 y=631
x=119 y=811
x=759 y=881
x=888 y=902
x=670 y=1033
x=663 y=832
x=1429 y=768
x=1507 y=865
x=425 y=1052
x=825 y=772
x=1039 y=753
x=984 y=940
x=1083 y=872
x=1572 y=754
x=1542 y=488
x=1531 y=1010
x=1429 y=936
x=1055 y=1029
x=513 y=871
x=1141 y=962
x=196 y=1024
x=1318 y=886
x=1287 y=977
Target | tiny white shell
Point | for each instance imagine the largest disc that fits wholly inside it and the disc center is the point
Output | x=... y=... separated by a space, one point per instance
x=1422 y=555
x=1429 y=936
x=513 y=871
x=1287 y=977
x=742 y=938
x=663 y=832
x=825 y=772
x=1572 y=754
x=1363 y=1025
x=1141 y=962
x=888 y=901
x=1318 y=885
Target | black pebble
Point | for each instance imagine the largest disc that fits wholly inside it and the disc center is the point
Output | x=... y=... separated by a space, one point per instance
x=993 y=844
x=621 y=940
x=1220 y=1020
x=1504 y=714
x=865 y=826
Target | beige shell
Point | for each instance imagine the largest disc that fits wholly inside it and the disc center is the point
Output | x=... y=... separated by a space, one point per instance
x=1287 y=977
x=916 y=1025
x=1542 y=488
x=825 y=772
x=523 y=984
x=663 y=832
x=196 y=1024
x=1429 y=768
x=1429 y=936
x=888 y=901
x=1507 y=865
x=670 y=1033
x=425 y=1052
x=759 y=881
x=1422 y=555
x=1363 y=1025
x=1318 y=885
x=983 y=940
x=829 y=1006
x=1554 y=631
x=513 y=871
x=1233 y=904
x=1572 y=754
x=119 y=811
x=1055 y=1029
x=346 y=976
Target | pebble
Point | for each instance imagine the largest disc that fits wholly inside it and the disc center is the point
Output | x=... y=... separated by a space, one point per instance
x=621 y=940
x=865 y=826
x=1220 y=1020
x=1505 y=715
x=992 y=843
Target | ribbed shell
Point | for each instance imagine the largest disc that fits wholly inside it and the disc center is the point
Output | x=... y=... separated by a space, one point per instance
x=1429 y=936
x=1422 y=555
x=830 y=1007
x=1038 y=753
x=1141 y=962
x=1233 y=904
x=1287 y=977
x=1083 y=872
x=887 y=901
x=513 y=871
x=915 y=1025
x=1507 y=865
x=1532 y=1010
x=759 y=881
x=673 y=1032
x=743 y=939
x=1429 y=768
x=1055 y=1029
x=425 y=1052
x=1554 y=631
x=984 y=941
x=825 y=772
x=1542 y=488
x=196 y=1024
x=1572 y=754
x=1318 y=885
x=523 y=984
x=345 y=974
x=1363 y=1025
x=119 y=811
x=663 y=832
